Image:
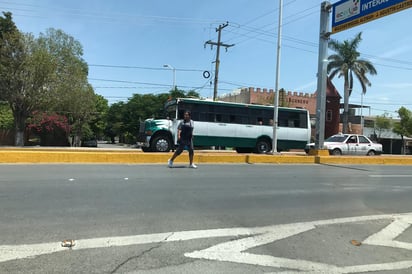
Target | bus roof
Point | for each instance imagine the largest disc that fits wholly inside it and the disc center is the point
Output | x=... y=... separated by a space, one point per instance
x=230 y=104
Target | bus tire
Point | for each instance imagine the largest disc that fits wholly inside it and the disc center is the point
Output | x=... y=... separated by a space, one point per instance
x=161 y=143
x=263 y=145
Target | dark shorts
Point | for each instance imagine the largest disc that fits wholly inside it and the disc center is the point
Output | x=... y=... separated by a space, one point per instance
x=185 y=146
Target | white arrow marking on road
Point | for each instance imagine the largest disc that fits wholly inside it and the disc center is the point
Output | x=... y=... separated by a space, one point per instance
x=233 y=251
x=386 y=237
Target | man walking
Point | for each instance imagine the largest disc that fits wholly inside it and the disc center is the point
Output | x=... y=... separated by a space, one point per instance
x=184 y=139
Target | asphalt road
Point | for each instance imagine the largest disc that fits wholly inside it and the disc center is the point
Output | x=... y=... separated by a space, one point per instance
x=214 y=219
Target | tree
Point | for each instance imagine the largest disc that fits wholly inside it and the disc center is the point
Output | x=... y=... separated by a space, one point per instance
x=114 y=121
x=137 y=109
x=82 y=109
x=25 y=69
x=382 y=123
x=98 y=119
x=346 y=63
x=404 y=126
x=72 y=93
x=52 y=128
x=123 y=119
x=6 y=116
x=70 y=74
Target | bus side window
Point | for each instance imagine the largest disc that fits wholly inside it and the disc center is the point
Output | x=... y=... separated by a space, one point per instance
x=203 y=117
x=195 y=116
x=245 y=120
x=282 y=122
x=225 y=118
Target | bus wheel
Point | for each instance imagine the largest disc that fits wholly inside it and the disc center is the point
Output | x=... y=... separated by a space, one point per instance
x=161 y=143
x=263 y=146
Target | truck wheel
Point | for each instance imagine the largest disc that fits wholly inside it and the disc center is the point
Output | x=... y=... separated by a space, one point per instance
x=161 y=143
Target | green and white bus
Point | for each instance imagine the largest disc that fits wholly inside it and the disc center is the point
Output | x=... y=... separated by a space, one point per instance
x=244 y=127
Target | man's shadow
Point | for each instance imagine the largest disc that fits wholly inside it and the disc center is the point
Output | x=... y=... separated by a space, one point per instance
x=179 y=166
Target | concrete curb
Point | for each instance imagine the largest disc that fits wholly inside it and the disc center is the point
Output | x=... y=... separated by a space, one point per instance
x=23 y=155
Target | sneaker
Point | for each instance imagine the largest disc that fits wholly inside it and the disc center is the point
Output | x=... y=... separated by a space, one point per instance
x=169 y=163
x=193 y=166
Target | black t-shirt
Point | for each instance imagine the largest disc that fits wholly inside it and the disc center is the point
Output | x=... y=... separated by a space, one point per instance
x=186 y=134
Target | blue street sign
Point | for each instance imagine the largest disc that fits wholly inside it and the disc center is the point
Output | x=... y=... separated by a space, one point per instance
x=349 y=13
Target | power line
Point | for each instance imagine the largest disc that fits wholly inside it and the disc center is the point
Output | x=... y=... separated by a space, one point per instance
x=143 y=68
x=108 y=17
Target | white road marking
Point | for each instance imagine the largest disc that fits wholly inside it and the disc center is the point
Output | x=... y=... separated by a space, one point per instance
x=391 y=176
x=386 y=237
x=234 y=251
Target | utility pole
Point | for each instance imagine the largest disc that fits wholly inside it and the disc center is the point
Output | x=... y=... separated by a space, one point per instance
x=276 y=101
x=217 y=62
x=322 y=75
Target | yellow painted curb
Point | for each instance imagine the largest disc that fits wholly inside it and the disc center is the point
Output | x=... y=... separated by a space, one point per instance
x=318 y=152
x=216 y=158
x=137 y=157
x=280 y=159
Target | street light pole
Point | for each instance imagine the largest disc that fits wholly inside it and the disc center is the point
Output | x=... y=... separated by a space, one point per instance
x=174 y=74
x=276 y=99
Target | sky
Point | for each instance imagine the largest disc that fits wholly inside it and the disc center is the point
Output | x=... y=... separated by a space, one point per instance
x=127 y=44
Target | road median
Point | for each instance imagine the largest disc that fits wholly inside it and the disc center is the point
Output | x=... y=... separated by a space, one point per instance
x=24 y=155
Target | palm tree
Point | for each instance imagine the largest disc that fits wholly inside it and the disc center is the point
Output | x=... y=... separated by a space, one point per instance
x=346 y=63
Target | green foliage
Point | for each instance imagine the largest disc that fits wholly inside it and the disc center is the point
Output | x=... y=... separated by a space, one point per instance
x=24 y=70
x=69 y=80
x=123 y=119
x=98 y=119
x=46 y=74
x=114 y=121
x=347 y=64
x=382 y=123
x=404 y=127
x=6 y=116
